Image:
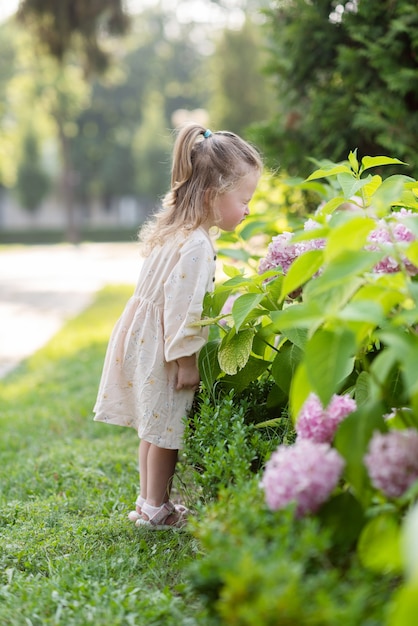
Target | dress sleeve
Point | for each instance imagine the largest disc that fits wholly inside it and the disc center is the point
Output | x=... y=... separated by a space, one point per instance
x=184 y=291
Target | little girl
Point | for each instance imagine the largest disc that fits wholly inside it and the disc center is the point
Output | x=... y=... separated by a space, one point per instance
x=150 y=372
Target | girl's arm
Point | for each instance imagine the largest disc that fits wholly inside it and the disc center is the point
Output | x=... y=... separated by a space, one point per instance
x=188 y=376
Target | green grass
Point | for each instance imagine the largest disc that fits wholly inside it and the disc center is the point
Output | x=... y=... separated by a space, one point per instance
x=68 y=554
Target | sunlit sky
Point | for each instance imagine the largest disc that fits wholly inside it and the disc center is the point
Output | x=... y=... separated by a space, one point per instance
x=189 y=11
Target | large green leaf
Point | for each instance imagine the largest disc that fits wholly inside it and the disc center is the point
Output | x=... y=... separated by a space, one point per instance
x=332 y=170
x=329 y=359
x=298 y=336
x=386 y=293
x=331 y=205
x=363 y=311
x=350 y=236
x=234 y=353
x=273 y=290
x=345 y=265
x=384 y=376
x=301 y=270
x=214 y=302
x=388 y=193
x=243 y=306
x=234 y=253
x=208 y=363
x=350 y=184
x=300 y=389
x=404 y=347
x=367 y=162
x=302 y=315
x=411 y=253
x=352 y=439
x=371 y=187
x=332 y=296
x=404 y=608
x=363 y=390
x=379 y=546
x=284 y=365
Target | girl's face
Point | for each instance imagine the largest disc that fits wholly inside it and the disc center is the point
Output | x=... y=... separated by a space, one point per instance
x=231 y=207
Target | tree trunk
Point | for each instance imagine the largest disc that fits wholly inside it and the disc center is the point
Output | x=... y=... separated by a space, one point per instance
x=72 y=231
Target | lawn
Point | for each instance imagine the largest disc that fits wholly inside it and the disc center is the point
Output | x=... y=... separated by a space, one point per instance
x=68 y=554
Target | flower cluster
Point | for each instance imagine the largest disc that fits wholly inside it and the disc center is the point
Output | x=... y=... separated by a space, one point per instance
x=319 y=424
x=386 y=236
x=305 y=473
x=392 y=461
x=282 y=251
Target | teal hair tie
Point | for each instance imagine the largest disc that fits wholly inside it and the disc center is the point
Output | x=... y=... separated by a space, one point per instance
x=207 y=133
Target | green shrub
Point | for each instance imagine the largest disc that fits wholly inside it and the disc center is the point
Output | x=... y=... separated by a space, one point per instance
x=226 y=440
x=263 y=567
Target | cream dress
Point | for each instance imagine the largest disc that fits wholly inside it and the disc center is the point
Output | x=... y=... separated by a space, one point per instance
x=138 y=382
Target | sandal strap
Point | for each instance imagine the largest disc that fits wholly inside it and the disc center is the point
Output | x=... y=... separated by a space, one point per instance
x=140 y=501
x=158 y=514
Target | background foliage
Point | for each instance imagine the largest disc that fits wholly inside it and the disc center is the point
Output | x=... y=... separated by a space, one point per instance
x=301 y=79
x=346 y=77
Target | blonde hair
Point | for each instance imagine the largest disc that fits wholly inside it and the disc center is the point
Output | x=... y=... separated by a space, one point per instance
x=204 y=165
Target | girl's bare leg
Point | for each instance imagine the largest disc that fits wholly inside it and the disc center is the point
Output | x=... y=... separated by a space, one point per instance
x=144 y=447
x=161 y=464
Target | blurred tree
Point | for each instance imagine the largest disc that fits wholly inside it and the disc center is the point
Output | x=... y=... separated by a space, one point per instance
x=114 y=129
x=64 y=29
x=152 y=146
x=122 y=145
x=347 y=77
x=32 y=183
x=242 y=95
x=68 y=25
x=8 y=145
x=51 y=95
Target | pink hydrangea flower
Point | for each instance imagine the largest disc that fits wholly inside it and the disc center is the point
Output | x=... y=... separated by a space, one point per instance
x=385 y=236
x=281 y=252
x=392 y=461
x=305 y=473
x=319 y=424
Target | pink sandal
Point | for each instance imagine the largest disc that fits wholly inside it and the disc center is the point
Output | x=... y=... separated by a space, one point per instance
x=158 y=516
x=134 y=516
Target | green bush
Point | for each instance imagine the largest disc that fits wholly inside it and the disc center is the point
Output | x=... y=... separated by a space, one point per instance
x=224 y=440
x=263 y=567
x=333 y=311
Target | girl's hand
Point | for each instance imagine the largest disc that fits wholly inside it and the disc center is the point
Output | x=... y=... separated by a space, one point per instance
x=188 y=376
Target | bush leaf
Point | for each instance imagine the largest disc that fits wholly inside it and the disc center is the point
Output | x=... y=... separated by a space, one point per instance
x=328 y=360
x=208 y=363
x=301 y=270
x=243 y=306
x=234 y=353
x=379 y=546
x=367 y=162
